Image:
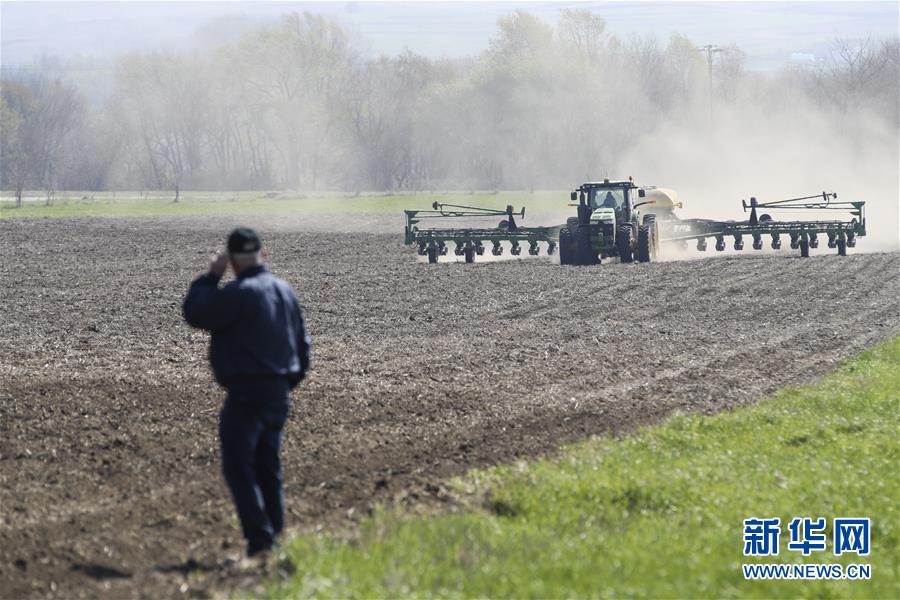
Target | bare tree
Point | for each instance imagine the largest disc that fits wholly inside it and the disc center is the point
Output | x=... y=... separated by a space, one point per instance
x=16 y=121
x=295 y=104
x=296 y=74
x=41 y=115
x=585 y=31
x=166 y=98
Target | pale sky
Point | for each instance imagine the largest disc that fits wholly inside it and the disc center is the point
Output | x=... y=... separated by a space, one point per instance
x=769 y=32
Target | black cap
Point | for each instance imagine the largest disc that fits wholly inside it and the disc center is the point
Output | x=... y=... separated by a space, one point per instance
x=243 y=240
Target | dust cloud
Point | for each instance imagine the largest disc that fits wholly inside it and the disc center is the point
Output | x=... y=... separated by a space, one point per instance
x=775 y=153
x=297 y=105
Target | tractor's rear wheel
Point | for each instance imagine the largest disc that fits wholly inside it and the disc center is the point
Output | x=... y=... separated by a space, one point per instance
x=624 y=243
x=644 y=244
x=650 y=222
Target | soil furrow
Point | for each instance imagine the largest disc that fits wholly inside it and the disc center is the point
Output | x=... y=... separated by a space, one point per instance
x=109 y=480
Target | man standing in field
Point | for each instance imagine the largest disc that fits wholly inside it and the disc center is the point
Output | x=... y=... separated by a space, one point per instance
x=259 y=350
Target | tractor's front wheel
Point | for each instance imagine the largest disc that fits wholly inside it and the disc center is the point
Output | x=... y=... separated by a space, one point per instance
x=584 y=253
x=624 y=243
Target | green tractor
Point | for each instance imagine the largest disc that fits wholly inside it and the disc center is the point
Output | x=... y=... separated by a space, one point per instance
x=618 y=218
x=609 y=224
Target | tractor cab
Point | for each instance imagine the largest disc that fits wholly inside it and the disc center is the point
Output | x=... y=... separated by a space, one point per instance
x=597 y=196
x=608 y=198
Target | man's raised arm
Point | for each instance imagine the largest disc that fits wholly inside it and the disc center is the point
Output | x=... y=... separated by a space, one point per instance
x=208 y=307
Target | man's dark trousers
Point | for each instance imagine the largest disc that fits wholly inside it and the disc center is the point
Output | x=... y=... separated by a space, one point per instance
x=250 y=427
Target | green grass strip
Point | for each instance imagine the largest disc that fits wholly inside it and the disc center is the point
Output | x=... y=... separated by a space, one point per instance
x=657 y=513
x=134 y=204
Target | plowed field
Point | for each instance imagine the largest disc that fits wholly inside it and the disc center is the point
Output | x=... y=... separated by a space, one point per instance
x=109 y=472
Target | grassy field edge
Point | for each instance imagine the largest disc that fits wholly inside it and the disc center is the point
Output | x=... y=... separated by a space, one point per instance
x=656 y=513
x=136 y=204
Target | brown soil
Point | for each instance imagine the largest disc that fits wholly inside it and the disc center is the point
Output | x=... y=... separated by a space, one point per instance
x=109 y=473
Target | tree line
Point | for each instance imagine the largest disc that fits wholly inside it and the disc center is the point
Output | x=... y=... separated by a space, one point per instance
x=297 y=105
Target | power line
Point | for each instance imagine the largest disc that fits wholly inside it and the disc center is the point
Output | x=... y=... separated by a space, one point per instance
x=709 y=50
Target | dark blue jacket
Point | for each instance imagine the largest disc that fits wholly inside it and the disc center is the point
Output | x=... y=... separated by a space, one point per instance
x=257 y=326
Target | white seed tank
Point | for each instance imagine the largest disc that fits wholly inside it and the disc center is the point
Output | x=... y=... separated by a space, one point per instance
x=665 y=201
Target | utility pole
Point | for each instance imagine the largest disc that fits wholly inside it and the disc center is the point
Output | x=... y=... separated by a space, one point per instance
x=709 y=50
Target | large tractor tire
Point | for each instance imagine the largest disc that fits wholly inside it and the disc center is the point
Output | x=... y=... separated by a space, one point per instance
x=565 y=246
x=650 y=222
x=644 y=244
x=584 y=253
x=625 y=243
